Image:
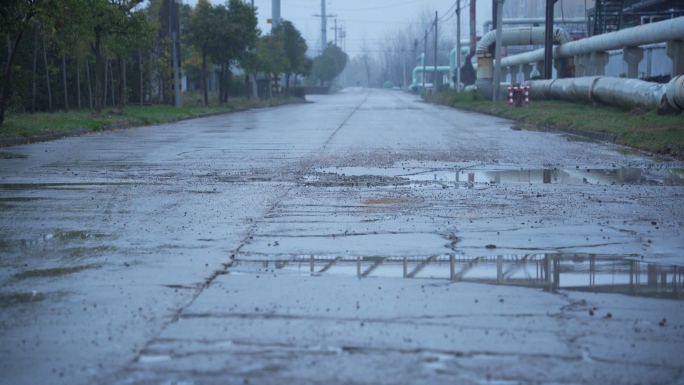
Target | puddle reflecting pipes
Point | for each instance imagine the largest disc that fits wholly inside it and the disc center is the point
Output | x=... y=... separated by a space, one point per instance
x=579 y=272
x=577 y=176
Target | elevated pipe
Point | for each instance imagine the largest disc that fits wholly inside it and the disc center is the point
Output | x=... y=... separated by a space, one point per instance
x=486 y=27
x=661 y=31
x=627 y=93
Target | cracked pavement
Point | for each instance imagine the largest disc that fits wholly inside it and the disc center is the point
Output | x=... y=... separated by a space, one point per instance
x=270 y=246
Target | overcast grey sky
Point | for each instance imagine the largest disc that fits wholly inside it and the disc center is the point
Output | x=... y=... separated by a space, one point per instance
x=368 y=20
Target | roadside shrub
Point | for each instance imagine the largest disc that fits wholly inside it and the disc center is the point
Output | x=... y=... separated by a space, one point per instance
x=299 y=92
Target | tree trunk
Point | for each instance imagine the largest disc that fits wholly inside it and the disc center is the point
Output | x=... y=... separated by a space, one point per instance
x=111 y=78
x=229 y=79
x=287 y=84
x=4 y=94
x=96 y=48
x=90 y=88
x=104 y=94
x=204 y=77
x=78 y=84
x=255 y=86
x=35 y=69
x=140 y=67
x=222 y=75
x=64 y=83
x=122 y=77
x=47 y=75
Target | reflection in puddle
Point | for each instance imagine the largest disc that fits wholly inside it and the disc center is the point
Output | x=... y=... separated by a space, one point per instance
x=580 y=272
x=568 y=177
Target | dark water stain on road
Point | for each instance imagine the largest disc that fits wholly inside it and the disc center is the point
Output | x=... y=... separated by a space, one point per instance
x=15 y=299
x=54 y=272
x=11 y=155
x=61 y=186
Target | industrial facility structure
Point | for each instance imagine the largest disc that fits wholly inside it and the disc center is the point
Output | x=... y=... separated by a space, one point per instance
x=642 y=40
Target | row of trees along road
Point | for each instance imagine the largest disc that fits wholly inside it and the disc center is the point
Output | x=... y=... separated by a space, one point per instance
x=113 y=52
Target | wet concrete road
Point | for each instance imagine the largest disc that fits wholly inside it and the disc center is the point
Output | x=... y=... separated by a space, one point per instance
x=270 y=247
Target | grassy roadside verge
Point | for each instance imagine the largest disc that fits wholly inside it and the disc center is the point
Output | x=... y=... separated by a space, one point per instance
x=639 y=129
x=31 y=126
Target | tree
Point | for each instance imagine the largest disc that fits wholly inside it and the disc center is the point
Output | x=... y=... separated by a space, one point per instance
x=295 y=49
x=237 y=33
x=110 y=26
x=304 y=70
x=338 y=55
x=204 y=21
x=324 y=69
x=15 y=19
x=270 y=55
x=132 y=32
x=329 y=64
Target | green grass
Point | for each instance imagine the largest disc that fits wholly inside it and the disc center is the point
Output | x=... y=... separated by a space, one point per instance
x=32 y=125
x=640 y=129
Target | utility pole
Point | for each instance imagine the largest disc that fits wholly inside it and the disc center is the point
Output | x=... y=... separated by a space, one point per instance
x=255 y=90
x=424 y=54
x=177 y=91
x=497 y=53
x=458 y=46
x=434 y=76
x=343 y=37
x=548 y=44
x=335 y=29
x=403 y=61
x=275 y=13
x=324 y=21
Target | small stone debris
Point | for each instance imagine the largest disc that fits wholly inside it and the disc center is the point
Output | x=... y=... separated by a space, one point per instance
x=490 y=246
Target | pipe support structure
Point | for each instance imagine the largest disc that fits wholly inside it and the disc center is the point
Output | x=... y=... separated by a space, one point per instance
x=675 y=50
x=509 y=37
x=632 y=56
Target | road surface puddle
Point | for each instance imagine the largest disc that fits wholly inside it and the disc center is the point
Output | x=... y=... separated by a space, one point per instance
x=579 y=272
x=577 y=176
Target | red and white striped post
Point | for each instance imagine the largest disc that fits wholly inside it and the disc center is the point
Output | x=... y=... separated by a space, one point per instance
x=510 y=96
x=527 y=96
